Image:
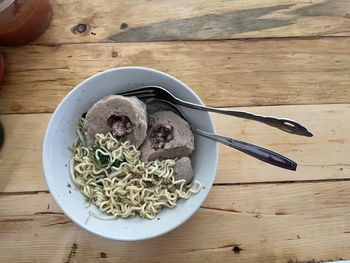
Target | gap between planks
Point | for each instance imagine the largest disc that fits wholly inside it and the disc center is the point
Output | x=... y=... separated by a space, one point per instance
x=214 y=185
x=233 y=107
x=251 y=39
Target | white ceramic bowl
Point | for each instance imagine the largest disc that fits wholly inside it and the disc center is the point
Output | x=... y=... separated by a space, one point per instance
x=61 y=133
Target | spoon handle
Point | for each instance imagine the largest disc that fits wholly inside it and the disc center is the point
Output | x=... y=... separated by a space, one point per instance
x=282 y=124
x=258 y=152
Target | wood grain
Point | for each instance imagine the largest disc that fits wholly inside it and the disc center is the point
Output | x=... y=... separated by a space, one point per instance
x=308 y=221
x=233 y=54
x=325 y=156
x=223 y=73
x=135 y=21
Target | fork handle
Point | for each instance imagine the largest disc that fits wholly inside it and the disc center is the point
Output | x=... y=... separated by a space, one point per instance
x=282 y=124
x=258 y=152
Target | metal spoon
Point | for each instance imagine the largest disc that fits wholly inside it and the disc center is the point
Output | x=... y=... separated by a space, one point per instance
x=258 y=152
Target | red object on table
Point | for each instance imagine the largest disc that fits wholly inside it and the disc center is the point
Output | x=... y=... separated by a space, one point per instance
x=22 y=21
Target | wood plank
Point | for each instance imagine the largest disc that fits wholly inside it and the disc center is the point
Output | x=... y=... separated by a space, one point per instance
x=223 y=73
x=135 y=21
x=325 y=156
x=20 y=158
x=308 y=221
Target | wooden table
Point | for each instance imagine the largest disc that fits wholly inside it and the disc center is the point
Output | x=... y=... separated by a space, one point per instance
x=274 y=57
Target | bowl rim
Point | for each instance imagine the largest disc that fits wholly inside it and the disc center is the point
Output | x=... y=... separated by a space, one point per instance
x=45 y=169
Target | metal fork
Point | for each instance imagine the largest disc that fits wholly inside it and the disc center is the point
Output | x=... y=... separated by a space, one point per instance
x=157 y=92
x=258 y=152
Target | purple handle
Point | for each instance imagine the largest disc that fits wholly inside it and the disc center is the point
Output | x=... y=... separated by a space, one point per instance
x=258 y=152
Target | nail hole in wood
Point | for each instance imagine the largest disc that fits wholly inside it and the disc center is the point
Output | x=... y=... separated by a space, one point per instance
x=236 y=249
x=124 y=26
x=114 y=54
x=80 y=28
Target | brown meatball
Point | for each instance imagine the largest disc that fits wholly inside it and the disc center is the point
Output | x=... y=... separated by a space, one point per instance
x=124 y=117
x=168 y=137
x=183 y=170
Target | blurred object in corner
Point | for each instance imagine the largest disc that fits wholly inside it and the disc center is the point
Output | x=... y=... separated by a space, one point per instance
x=22 y=21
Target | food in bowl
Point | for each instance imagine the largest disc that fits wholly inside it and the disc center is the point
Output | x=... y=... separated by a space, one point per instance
x=130 y=164
x=124 y=117
x=62 y=131
x=169 y=137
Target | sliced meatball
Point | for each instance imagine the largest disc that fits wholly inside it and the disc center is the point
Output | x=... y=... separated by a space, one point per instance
x=124 y=117
x=183 y=170
x=168 y=137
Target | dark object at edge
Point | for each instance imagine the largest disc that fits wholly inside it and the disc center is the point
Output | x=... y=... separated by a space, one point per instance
x=2 y=135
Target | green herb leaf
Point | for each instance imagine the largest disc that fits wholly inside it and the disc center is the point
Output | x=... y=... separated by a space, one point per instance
x=117 y=163
x=104 y=159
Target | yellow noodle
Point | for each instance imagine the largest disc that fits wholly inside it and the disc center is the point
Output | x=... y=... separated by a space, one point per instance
x=134 y=187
